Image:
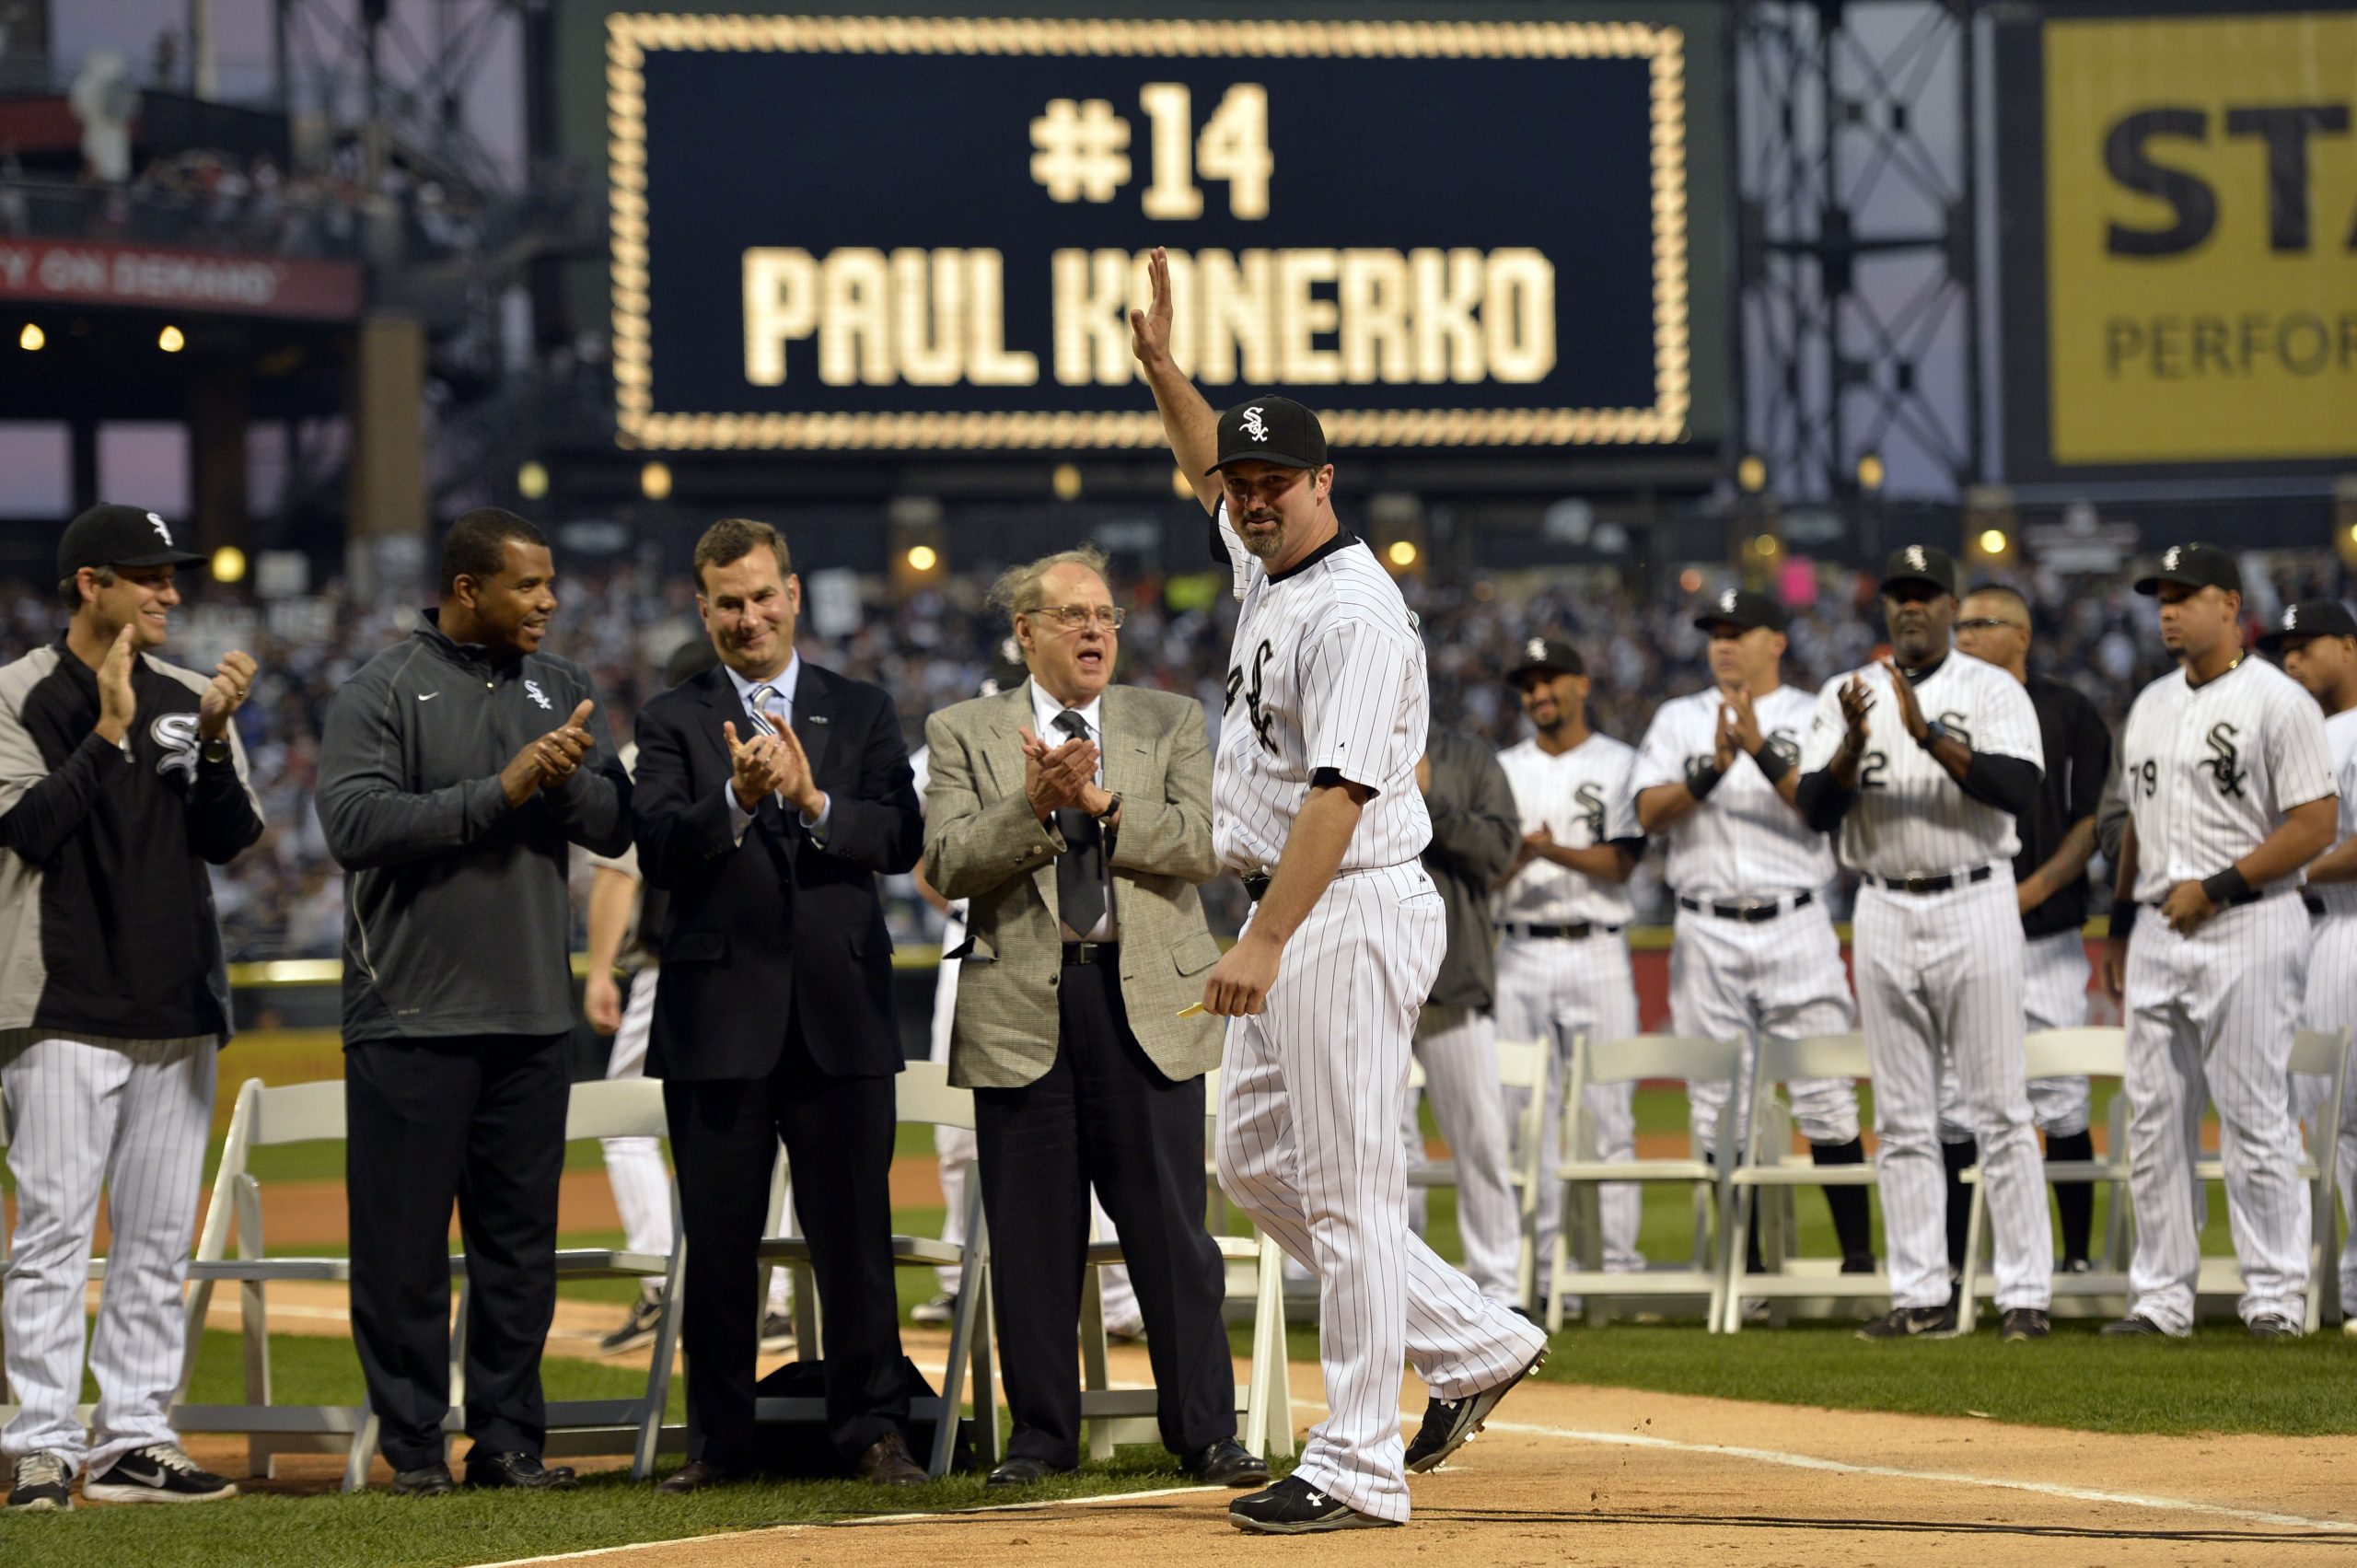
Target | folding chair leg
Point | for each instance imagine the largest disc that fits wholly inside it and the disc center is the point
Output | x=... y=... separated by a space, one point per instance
x=985 y=1378
x=953 y=1378
x=1094 y=1376
x=362 y=1453
x=1272 y=1415
x=658 y=1372
x=1976 y=1222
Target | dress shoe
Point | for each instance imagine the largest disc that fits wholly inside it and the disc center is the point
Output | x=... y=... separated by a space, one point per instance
x=695 y=1476
x=888 y=1463
x=1025 y=1470
x=520 y=1470
x=1228 y=1463
x=427 y=1480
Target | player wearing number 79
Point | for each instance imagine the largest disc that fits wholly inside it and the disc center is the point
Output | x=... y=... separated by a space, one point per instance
x=1922 y=761
x=2229 y=780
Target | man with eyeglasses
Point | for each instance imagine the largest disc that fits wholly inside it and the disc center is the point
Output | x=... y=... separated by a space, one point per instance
x=2057 y=834
x=1922 y=761
x=1073 y=815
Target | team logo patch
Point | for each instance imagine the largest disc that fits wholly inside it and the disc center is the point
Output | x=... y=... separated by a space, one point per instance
x=1957 y=727
x=1782 y=744
x=1253 y=425
x=175 y=736
x=1591 y=800
x=1535 y=650
x=2168 y=559
x=2290 y=618
x=2225 y=759
x=1915 y=557
x=1726 y=601
x=532 y=690
x=161 y=531
x=1264 y=720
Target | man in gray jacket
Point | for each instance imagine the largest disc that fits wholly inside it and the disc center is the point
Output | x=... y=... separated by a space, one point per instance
x=457 y=768
x=1476 y=831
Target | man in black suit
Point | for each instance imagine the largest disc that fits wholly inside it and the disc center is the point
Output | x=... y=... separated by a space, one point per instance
x=769 y=794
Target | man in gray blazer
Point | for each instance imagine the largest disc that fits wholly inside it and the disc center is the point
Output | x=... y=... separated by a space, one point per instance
x=1075 y=816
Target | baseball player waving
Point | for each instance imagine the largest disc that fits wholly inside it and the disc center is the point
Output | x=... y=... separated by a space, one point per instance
x=2229 y=792
x=1314 y=803
x=1754 y=952
x=1922 y=761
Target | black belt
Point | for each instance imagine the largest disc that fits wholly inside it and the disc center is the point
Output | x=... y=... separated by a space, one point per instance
x=2252 y=896
x=1255 y=884
x=1940 y=883
x=1750 y=914
x=1577 y=933
x=2313 y=904
x=1091 y=952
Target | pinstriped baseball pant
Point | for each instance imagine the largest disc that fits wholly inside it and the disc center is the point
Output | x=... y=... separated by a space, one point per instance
x=1311 y=1095
x=1458 y=1048
x=131 y=1117
x=2212 y=1016
x=1940 y=975
x=2332 y=1002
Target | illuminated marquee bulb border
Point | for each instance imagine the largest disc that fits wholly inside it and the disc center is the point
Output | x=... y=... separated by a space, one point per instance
x=629 y=35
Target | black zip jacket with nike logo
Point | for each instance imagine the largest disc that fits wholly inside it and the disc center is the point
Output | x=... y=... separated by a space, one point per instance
x=457 y=918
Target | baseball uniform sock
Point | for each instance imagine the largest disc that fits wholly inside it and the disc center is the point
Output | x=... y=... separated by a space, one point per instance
x=1959 y=1158
x=1853 y=1227
x=2075 y=1202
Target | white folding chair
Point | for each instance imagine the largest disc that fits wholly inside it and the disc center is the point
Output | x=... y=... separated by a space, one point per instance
x=923 y=1096
x=268 y=1118
x=1522 y=1066
x=2090 y=1051
x=1263 y=1402
x=1583 y=1175
x=1768 y=1170
x=2324 y=1053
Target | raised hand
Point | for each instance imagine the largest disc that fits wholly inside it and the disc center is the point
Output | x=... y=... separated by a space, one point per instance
x=1723 y=743
x=792 y=766
x=1910 y=712
x=1743 y=722
x=1856 y=701
x=563 y=749
x=117 y=707
x=1150 y=328
x=233 y=679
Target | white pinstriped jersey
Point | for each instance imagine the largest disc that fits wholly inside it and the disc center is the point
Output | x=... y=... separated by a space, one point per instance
x=2209 y=771
x=1910 y=818
x=1329 y=674
x=2341 y=735
x=1582 y=798
x=1743 y=843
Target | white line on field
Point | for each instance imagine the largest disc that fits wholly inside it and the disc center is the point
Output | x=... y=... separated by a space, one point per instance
x=839 y=1523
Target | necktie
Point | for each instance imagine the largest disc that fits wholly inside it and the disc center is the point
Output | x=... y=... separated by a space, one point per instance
x=1080 y=870
x=759 y=701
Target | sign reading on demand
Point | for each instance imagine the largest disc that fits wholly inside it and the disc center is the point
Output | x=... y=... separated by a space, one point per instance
x=908 y=232
x=2201 y=216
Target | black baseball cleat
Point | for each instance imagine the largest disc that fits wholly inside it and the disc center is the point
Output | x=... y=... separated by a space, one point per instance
x=2017 y=1323
x=158 y=1473
x=519 y=1469
x=1911 y=1323
x=1449 y=1424
x=2266 y=1326
x=2136 y=1326
x=638 y=1329
x=1294 y=1507
x=43 y=1485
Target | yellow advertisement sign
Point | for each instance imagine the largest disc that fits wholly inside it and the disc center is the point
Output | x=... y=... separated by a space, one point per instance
x=2201 y=238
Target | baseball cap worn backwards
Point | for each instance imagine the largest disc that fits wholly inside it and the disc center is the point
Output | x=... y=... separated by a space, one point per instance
x=2196 y=566
x=1739 y=607
x=119 y=535
x=1548 y=654
x=2309 y=618
x=1920 y=564
x=1272 y=430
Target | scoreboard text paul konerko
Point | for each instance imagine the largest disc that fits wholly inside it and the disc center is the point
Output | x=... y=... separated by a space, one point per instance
x=928 y=232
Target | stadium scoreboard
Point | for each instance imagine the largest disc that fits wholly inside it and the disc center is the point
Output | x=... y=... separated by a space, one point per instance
x=925 y=233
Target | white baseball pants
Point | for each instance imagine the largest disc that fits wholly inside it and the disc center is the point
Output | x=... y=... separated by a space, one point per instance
x=2054 y=996
x=1781 y=979
x=130 y=1117
x=1310 y=1101
x=1459 y=1051
x=1555 y=989
x=2212 y=1016
x=1940 y=975
x=2332 y=1003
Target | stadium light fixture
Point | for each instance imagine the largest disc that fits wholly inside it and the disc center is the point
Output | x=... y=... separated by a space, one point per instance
x=1751 y=473
x=1067 y=480
x=532 y=481
x=1690 y=580
x=1993 y=543
x=171 y=339
x=228 y=564
x=32 y=338
x=1402 y=553
x=654 y=481
x=1871 y=472
x=923 y=558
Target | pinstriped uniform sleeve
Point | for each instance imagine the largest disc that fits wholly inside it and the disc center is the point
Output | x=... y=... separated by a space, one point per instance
x=2010 y=729
x=2299 y=755
x=1352 y=676
x=1825 y=728
x=1620 y=806
x=1659 y=759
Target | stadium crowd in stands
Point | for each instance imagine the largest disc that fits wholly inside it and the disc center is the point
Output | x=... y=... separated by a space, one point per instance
x=283 y=898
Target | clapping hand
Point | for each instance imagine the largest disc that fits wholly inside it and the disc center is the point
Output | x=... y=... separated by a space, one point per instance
x=1910 y=712
x=1056 y=778
x=233 y=679
x=1856 y=701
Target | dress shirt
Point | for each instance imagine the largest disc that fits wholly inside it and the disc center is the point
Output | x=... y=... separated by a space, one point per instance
x=788 y=681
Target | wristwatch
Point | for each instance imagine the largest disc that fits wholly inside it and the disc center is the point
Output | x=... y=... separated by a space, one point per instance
x=216 y=750
x=1936 y=732
x=1105 y=818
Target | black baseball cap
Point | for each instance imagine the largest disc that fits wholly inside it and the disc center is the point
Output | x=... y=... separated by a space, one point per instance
x=1739 y=607
x=109 y=535
x=1920 y=564
x=1548 y=654
x=1272 y=429
x=2195 y=566
x=2309 y=618
x=1007 y=668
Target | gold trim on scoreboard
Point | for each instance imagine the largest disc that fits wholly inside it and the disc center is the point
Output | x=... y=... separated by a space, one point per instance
x=630 y=35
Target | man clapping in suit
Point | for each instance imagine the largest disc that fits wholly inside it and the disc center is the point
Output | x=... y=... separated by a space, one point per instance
x=769 y=794
x=1076 y=816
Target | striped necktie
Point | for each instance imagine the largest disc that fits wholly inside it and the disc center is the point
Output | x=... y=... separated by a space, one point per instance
x=756 y=705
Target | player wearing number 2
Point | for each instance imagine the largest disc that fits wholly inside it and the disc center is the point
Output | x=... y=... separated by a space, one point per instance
x=1315 y=804
x=1923 y=762
x=2229 y=780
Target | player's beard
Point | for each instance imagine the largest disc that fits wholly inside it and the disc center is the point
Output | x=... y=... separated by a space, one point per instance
x=1267 y=544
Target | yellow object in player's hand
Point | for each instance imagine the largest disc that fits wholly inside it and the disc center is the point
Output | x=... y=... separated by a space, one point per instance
x=1193 y=1010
